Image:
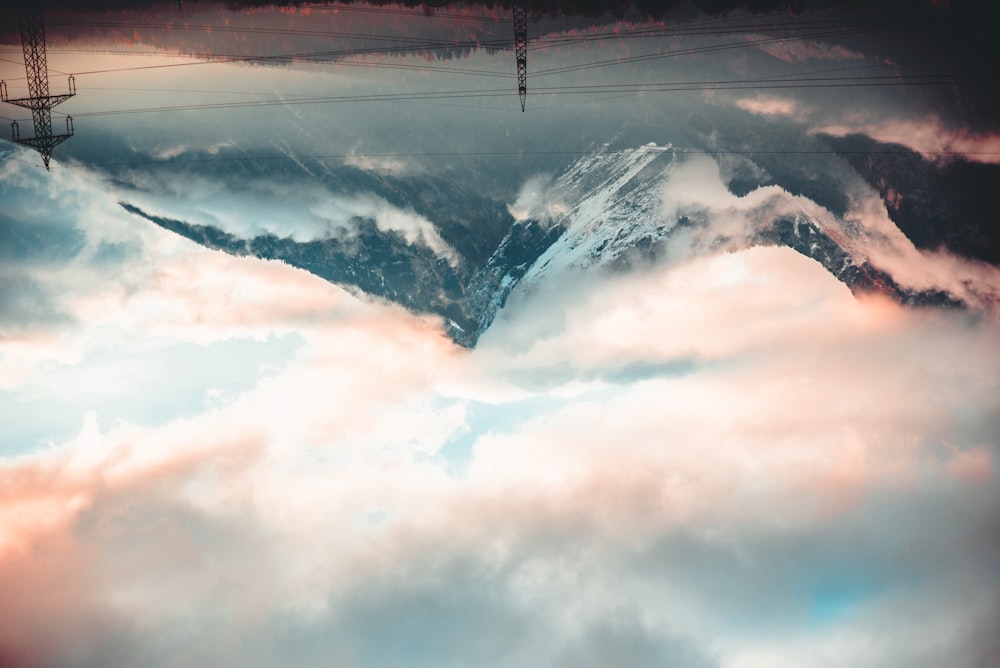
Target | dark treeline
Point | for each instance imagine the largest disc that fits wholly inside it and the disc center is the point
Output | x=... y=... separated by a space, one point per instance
x=649 y=8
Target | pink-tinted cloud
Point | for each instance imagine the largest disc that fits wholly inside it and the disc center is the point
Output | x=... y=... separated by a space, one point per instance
x=287 y=500
x=793 y=51
x=322 y=512
x=977 y=283
x=770 y=105
x=929 y=136
x=266 y=506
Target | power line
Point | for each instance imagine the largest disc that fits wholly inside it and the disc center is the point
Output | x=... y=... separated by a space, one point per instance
x=316 y=56
x=618 y=89
x=589 y=89
x=298 y=32
x=423 y=67
x=411 y=43
x=697 y=50
x=688 y=28
x=688 y=31
x=829 y=28
x=723 y=25
x=443 y=154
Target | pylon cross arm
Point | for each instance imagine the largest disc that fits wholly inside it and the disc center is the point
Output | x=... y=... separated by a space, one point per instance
x=40 y=102
x=43 y=143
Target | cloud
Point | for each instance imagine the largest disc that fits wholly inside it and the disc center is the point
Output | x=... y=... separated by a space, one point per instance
x=722 y=220
x=539 y=200
x=654 y=485
x=649 y=519
x=380 y=164
x=168 y=152
x=339 y=213
x=928 y=136
x=770 y=105
x=800 y=50
x=718 y=457
x=286 y=209
x=24 y=305
x=976 y=283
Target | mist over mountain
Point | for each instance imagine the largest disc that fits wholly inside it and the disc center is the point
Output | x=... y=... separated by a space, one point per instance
x=607 y=211
x=446 y=210
x=948 y=205
x=317 y=348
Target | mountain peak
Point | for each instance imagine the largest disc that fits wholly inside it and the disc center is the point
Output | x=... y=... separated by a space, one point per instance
x=609 y=210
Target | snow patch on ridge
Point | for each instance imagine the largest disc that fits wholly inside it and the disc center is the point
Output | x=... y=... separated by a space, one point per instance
x=615 y=209
x=648 y=203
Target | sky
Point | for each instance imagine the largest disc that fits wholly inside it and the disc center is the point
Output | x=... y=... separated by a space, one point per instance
x=717 y=457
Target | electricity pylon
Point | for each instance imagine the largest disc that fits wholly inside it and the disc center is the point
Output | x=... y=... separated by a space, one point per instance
x=29 y=20
x=521 y=49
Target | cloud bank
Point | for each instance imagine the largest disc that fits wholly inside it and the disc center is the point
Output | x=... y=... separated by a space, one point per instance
x=618 y=474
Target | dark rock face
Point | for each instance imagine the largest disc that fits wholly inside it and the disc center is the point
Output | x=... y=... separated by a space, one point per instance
x=489 y=287
x=382 y=264
x=493 y=252
x=950 y=204
x=806 y=238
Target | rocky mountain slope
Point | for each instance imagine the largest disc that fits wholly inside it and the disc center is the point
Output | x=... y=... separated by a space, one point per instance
x=607 y=211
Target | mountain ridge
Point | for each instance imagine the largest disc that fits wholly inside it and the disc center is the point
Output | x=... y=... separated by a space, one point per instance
x=607 y=211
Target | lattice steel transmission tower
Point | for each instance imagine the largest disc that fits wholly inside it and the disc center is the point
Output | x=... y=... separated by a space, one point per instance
x=29 y=20
x=521 y=49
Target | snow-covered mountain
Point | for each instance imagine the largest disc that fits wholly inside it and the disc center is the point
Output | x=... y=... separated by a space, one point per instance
x=607 y=211
x=656 y=203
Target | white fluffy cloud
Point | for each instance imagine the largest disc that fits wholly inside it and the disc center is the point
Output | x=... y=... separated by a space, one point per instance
x=286 y=209
x=538 y=201
x=725 y=461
